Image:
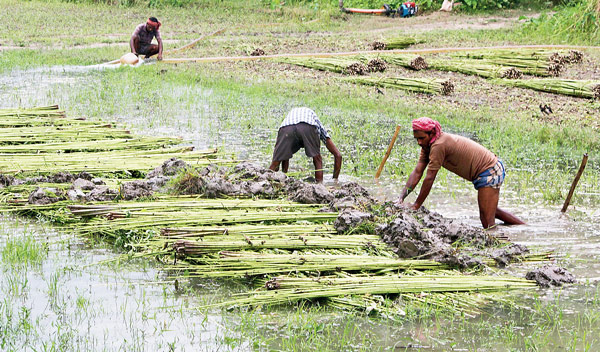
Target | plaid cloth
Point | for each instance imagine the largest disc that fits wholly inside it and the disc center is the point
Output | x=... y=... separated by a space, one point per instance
x=492 y=177
x=306 y=115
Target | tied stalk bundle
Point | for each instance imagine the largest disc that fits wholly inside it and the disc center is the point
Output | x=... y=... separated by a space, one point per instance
x=282 y=290
x=395 y=43
x=419 y=85
x=537 y=63
x=333 y=64
x=413 y=62
x=245 y=264
x=113 y=161
x=577 y=88
x=476 y=68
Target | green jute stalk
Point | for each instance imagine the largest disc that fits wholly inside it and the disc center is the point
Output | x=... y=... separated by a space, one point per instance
x=334 y=64
x=234 y=264
x=476 y=68
x=286 y=290
x=577 y=88
x=420 y=85
x=146 y=143
x=396 y=43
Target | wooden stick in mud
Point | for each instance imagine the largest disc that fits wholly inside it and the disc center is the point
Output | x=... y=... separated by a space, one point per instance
x=575 y=181
x=387 y=153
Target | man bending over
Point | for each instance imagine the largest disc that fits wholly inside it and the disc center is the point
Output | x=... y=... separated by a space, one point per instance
x=463 y=157
x=302 y=129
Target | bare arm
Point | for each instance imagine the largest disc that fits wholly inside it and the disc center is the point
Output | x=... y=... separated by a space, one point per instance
x=160 y=49
x=318 y=162
x=413 y=180
x=425 y=188
x=132 y=44
x=337 y=157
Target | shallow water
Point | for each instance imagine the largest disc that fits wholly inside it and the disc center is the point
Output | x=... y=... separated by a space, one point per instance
x=69 y=302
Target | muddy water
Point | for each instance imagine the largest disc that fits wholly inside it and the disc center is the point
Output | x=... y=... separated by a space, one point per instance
x=71 y=303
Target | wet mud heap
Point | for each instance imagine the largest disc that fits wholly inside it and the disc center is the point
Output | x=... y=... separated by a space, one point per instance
x=550 y=275
x=428 y=235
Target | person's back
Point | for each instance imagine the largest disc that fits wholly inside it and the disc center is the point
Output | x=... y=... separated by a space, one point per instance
x=458 y=154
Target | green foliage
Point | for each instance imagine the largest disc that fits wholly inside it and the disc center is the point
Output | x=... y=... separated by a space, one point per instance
x=577 y=22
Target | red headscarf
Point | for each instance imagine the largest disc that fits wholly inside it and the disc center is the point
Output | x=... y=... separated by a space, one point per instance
x=426 y=124
x=153 y=24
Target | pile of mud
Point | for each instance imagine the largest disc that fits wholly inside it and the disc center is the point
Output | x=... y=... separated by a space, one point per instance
x=550 y=275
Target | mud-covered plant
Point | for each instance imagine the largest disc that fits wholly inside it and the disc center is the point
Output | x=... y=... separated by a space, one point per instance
x=188 y=181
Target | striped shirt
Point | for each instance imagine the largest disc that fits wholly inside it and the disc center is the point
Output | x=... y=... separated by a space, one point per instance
x=306 y=115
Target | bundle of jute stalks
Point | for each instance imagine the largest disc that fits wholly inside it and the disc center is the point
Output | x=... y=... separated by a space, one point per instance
x=576 y=88
x=419 y=85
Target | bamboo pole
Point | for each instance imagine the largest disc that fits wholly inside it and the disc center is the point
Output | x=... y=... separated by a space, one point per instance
x=387 y=153
x=575 y=181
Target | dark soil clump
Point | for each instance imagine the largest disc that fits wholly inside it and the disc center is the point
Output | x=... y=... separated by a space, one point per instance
x=550 y=275
x=351 y=218
x=596 y=91
x=7 y=180
x=508 y=254
x=426 y=234
x=101 y=194
x=42 y=196
x=136 y=189
x=61 y=177
x=83 y=184
x=169 y=168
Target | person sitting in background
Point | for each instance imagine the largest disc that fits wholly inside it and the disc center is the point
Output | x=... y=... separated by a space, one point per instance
x=302 y=129
x=463 y=157
x=141 y=39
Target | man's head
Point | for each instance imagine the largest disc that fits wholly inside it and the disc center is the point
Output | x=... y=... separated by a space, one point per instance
x=153 y=24
x=426 y=131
